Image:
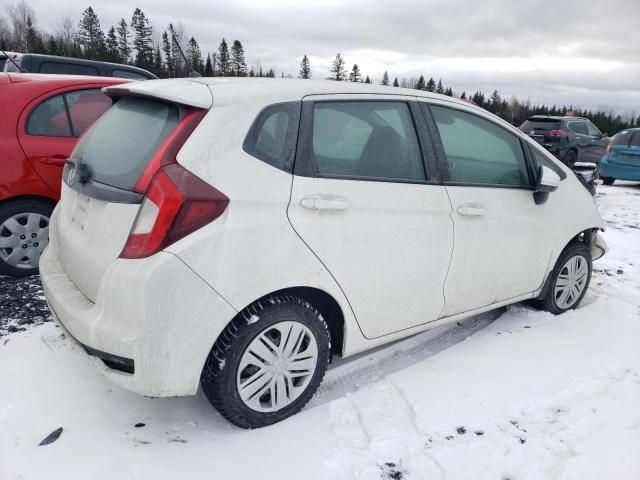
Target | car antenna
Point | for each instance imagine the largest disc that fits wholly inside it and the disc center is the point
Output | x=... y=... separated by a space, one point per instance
x=20 y=69
x=192 y=73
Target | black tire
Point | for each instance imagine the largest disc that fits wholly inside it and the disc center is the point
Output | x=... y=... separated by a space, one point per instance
x=549 y=302
x=9 y=210
x=608 y=180
x=219 y=376
x=570 y=158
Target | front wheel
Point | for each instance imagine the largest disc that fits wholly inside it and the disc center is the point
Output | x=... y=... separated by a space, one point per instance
x=268 y=362
x=570 y=158
x=24 y=233
x=569 y=280
x=608 y=180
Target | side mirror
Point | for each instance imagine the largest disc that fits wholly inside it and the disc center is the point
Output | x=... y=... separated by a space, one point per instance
x=548 y=181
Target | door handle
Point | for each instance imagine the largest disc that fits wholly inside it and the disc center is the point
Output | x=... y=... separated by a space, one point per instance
x=327 y=203
x=472 y=210
x=58 y=161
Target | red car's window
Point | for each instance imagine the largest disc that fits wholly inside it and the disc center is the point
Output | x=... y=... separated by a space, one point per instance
x=68 y=114
x=85 y=106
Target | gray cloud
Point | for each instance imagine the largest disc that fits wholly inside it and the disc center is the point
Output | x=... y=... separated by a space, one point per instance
x=584 y=52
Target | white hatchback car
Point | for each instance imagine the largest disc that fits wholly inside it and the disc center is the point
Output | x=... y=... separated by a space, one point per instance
x=235 y=234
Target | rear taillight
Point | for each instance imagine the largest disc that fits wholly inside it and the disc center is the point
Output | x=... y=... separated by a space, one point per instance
x=608 y=149
x=557 y=133
x=176 y=204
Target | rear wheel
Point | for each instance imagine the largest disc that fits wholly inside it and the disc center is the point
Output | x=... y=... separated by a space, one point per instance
x=24 y=233
x=268 y=362
x=608 y=180
x=569 y=280
x=570 y=158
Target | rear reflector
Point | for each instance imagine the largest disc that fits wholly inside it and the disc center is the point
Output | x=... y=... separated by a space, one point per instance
x=608 y=149
x=176 y=204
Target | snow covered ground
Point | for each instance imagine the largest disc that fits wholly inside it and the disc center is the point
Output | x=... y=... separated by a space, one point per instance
x=524 y=396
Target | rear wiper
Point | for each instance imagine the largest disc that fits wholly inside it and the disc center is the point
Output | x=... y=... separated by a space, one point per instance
x=78 y=171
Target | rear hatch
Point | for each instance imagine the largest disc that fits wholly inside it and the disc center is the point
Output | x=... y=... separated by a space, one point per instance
x=123 y=194
x=625 y=148
x=545 y=131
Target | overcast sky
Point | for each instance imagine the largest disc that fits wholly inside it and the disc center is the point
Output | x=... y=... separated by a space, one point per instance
x=581 y=52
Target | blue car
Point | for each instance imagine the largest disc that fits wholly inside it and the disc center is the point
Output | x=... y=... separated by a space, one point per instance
x=621 y=159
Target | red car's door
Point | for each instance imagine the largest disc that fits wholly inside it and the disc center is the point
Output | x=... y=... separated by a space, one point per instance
x=49 y=128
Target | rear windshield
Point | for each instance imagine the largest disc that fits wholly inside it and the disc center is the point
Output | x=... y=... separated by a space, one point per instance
x=627 y=137
x=539 y=125
x=120 y=144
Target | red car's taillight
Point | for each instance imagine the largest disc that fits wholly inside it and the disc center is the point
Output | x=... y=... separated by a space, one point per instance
x=608 y=149
x=176 y=204
x=557 y=133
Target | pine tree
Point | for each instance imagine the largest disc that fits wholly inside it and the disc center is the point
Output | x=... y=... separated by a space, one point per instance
x=34 y=40
x=448 y=92
x=395 y=82
x=237 y=64
x=208 y=69
x=385 y=79
x=158 y=67
x=463 y=96
x=112 y=54
x=271 y=73
x=440 y=88
x=223 y=58
x=420 y=85
x=337 y=70
x=305 y=68
x=90 y=35
x=495 y=101
x=194 y=55
x=175 y=39
x=367 y=80
x=52 y=47
x=431 y=85
x=168 y=55
x=142 y=41
x=355 y=75
x=124 y=49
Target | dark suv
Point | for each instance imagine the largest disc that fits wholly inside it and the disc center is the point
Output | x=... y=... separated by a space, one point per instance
x=35 y=63
x=571 y=139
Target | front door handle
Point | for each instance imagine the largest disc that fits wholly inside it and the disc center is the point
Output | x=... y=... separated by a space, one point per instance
x=472 y=210
x=324 y=202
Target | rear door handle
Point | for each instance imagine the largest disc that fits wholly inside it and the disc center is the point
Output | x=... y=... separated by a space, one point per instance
x=55 y=160
x=325 y=203
x=472 y=210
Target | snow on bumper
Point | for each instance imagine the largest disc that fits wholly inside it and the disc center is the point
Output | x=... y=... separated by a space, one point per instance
x=154 y=311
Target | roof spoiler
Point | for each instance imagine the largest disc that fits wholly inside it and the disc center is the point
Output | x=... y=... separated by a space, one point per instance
x=183 y=91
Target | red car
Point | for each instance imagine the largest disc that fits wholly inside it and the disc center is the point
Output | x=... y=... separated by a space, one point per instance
x=42 y=118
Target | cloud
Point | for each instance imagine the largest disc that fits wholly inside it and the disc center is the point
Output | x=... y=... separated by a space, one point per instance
x=570 y=51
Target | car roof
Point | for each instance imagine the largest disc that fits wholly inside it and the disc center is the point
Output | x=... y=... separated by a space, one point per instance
x=226 y=90
x=63 y=80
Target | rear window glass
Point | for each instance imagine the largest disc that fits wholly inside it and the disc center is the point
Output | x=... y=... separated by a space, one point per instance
x=539 y=125
x=67 y=68
x=627 y=137
x=120 y=144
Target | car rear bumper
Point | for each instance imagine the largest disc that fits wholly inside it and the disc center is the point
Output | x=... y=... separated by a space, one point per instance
x=152 y=326
x=618 y=171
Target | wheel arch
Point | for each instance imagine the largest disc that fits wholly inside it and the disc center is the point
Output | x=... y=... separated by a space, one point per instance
x=19 y=198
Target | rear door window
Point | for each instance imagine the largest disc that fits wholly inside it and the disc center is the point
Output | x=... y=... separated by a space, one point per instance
x=121 y=143
x=50 y=118
x=578 y=127
x=67 y=68
x=372 y=140
x=592 y=130
x=479 y=151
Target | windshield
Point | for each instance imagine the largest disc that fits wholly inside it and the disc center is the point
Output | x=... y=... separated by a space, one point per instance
x=120 y=144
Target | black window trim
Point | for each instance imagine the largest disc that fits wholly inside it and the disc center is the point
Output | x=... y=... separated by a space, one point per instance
x=442 y=159
x=304 y=164
x=293 y=134
x=66 y=107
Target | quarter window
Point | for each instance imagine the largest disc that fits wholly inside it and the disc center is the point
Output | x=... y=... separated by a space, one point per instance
x=578 y=127
x=592 y=130
x=68 y=114
x=374 y=140
x=478 y=151
x=272 y=137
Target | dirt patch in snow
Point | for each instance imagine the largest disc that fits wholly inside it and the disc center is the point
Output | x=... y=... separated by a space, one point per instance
x=22 y=304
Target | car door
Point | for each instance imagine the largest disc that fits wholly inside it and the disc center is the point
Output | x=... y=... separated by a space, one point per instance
x=364 y=204
x=501 y=244
x=49 y=129
x=581 y=140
